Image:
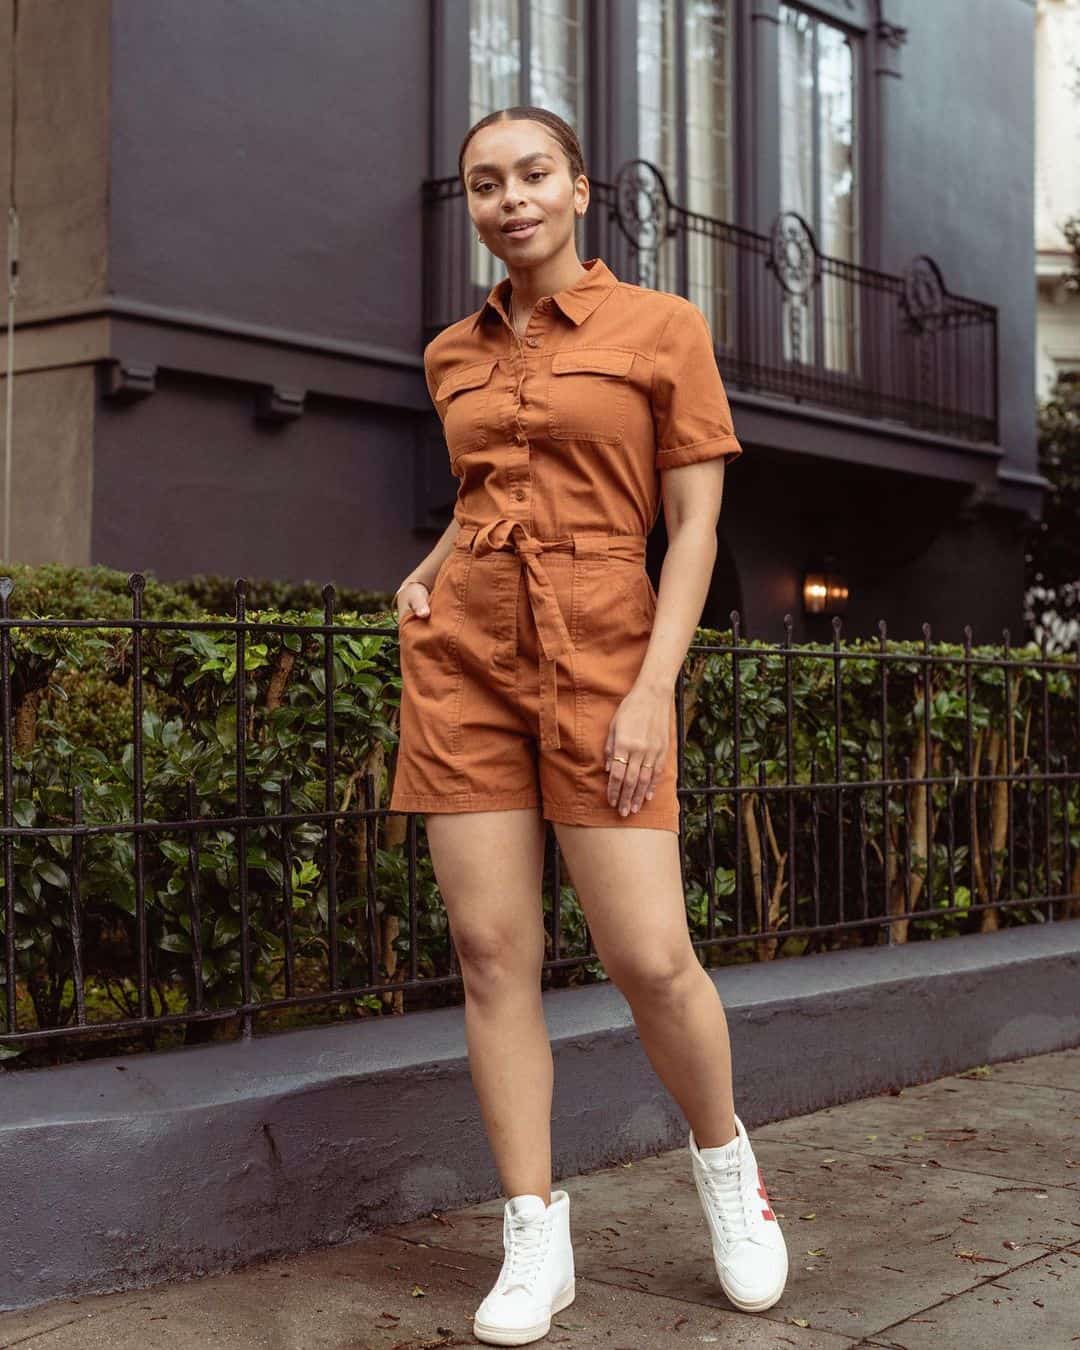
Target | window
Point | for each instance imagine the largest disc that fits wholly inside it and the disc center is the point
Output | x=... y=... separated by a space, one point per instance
x=819 y=175
x=684 y=62
x=524 y=51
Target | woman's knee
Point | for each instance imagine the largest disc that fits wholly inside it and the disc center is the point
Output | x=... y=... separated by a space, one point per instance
x=665 y=974
x=494 y=959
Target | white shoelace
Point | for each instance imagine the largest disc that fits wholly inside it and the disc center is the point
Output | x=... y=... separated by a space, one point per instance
x=735 y=1197
x=525 y=1250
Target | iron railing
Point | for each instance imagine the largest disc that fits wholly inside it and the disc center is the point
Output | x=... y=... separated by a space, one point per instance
x=818 y=829
x=787 y=320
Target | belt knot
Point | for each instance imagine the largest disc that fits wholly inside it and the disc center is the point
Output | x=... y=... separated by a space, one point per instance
x=508 y=533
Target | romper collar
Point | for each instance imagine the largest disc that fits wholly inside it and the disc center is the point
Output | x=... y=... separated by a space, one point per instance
x=577 y=302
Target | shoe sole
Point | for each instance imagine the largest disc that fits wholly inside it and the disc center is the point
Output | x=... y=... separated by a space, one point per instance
x=758 y=1305
x=523 y=1335
x=754 y=1304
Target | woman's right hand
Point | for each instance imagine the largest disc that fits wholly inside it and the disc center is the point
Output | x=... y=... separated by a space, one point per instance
x=413 y=598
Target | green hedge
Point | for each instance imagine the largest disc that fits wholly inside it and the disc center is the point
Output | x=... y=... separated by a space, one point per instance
x=72 y=706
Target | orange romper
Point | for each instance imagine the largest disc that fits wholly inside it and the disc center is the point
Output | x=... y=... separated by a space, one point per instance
x=542 y=611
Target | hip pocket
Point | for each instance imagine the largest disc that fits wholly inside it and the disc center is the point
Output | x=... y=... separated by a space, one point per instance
x=431 y=658
x=613 y=605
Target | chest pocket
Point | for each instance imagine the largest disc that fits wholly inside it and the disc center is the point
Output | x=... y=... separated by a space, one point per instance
x=463 y=400
x=588 y=394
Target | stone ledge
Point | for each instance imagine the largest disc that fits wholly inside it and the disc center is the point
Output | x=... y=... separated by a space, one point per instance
x=129 y=1171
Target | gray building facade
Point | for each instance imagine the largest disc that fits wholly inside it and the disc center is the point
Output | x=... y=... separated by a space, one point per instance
x=225 y=279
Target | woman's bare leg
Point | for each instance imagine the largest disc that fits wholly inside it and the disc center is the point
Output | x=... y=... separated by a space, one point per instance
x=489 y=868
x=630 y=888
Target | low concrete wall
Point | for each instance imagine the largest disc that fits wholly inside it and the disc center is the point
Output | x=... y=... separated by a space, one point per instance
x=129 y=1171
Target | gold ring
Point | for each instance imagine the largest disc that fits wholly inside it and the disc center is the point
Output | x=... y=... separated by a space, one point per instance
x=621 y=758
x=646 y=766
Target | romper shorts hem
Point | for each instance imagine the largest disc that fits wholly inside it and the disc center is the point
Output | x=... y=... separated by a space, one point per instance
x=609 y=816
x=403 y=802
x=467 y=802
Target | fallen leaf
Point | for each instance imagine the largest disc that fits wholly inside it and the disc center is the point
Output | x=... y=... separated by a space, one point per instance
x=799 y=1321
x=807 y=1216
x=417 y=1292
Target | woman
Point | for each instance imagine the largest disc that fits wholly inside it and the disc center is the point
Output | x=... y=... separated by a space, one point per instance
x=538 y=678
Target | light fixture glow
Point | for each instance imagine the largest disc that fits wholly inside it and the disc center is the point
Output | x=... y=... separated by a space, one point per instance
x=825 y=590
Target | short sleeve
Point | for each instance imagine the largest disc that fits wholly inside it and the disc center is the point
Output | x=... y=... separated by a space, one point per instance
x=430 y=380
x=690 y=406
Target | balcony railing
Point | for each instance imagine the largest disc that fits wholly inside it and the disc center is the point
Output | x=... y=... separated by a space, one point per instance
x=787 y=320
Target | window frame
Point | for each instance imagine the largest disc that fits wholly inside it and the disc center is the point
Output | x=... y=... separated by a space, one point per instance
x=827 y=14
x=679 y=188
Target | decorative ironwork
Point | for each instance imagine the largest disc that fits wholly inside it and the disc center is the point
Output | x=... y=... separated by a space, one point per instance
x=794 y=255
x=923 y=296
x=642 y=206
x=787 y=319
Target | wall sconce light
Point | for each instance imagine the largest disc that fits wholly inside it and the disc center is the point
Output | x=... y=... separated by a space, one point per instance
x=825 y=589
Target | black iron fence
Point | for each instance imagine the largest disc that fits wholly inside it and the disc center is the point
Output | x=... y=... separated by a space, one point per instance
x=194 y=827
x=787 y=320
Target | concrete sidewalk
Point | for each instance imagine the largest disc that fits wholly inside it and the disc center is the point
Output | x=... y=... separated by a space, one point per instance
x=945 y=1215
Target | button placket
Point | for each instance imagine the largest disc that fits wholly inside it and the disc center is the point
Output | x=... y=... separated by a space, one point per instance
x=519 y=489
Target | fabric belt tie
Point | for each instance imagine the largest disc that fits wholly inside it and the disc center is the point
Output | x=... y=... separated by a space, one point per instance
x=507 y=533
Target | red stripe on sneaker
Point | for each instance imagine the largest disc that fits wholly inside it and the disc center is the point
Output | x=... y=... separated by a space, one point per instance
x=765 y=1213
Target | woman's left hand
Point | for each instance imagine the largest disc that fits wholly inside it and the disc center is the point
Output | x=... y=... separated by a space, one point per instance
x=639 y=735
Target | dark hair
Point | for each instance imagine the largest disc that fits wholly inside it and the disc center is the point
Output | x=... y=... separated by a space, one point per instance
x=563 y=132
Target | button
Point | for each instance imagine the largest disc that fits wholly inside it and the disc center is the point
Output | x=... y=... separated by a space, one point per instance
x=532 y=342
x=519 y=494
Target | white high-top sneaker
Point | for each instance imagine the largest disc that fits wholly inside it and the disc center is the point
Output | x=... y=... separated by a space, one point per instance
x=749 y=1250
x=537 y=1276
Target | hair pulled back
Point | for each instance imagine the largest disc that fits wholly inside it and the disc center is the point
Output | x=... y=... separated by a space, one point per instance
x=563 y=132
